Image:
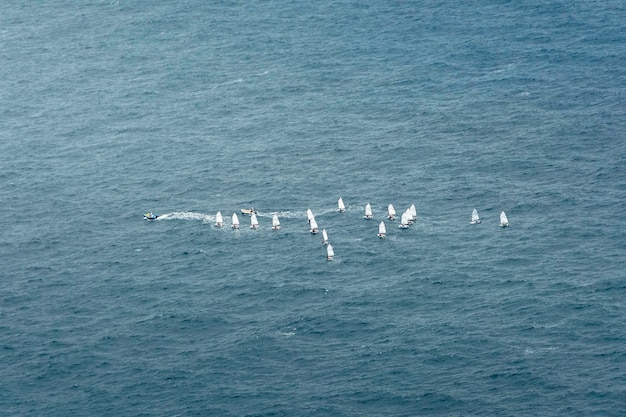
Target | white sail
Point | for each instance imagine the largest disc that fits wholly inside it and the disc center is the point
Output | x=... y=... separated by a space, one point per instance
x=275 y=222
x=254 y=222
x=340 y=206
x=219 y=221
x=324 y=237
x=475 y=218
x=309 y=214
x=405 y=220
x=413 y=212
x=368 y=211
x=313 y=225
x=409 y=216
x=329 y=252
x=504 y=222
x=382 y=230
x=235 y=221
x=391 y=212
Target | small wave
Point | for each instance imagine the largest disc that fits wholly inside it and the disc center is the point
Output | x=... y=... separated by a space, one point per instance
x=238 y=80
x=288 y=333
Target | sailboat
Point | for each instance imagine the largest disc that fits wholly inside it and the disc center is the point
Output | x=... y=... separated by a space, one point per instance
x=504 y=222
x=324 y=237
x=405 y=220
x=313 y=225
x=391 y=212
x=475 y=218
x=235 y=221
x=382 y=230
x=413 y=213
x=219 y=221
x=341 y=208
x=406 y=217
x=309 y=215
x=329 y=252
x=368 y=212
x=275 y=222
x=254 y=222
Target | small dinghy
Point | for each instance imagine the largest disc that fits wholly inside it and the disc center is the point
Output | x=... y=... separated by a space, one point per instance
x=313 y=225
x=409 y=216
x=235 y=221
x=382 y=230
x=368 y=212
x=219 y=221
x=329 y=252
x=150 y=216
x=341 y=208
x=504 y=222
x=405 y=220
x=254 y=223
x=248 y=212
x=391 y=212
x=475 y=218
x=413 y=213
x=275 y=222
x=324 y=237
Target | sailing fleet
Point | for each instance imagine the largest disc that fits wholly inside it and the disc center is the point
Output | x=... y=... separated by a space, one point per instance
x=408 y=217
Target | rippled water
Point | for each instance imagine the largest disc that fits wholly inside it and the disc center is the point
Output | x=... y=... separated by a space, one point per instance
x=111 y=109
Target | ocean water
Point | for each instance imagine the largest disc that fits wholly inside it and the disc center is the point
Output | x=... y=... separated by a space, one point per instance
x=113 y=108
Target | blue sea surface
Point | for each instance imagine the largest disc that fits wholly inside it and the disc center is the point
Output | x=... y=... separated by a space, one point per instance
x=110 y=109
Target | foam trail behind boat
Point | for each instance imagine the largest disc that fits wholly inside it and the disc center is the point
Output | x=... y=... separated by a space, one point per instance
x=187 y=215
